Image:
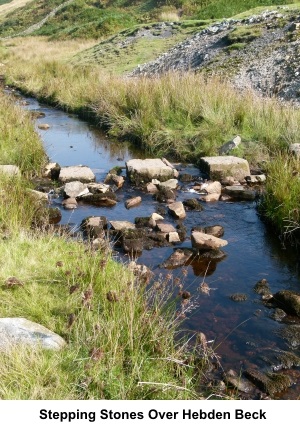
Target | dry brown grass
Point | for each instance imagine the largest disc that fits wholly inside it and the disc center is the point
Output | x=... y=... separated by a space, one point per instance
x=9 y=7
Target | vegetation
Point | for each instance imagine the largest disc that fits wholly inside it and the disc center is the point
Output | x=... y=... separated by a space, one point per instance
x=120 y=336
x=95 y=19
x=163 y=115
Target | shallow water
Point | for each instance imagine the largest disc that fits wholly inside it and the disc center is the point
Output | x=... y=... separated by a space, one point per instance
x=242 y=333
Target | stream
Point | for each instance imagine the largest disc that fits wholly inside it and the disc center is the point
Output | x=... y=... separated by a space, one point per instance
x=243 y=334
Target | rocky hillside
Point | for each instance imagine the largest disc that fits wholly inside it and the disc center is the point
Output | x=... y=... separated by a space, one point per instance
x=261 y=52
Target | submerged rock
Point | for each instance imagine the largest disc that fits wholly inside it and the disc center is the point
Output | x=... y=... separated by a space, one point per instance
x=131 y=203
x=270 y=383
x=239 y=192
x=179 y=258
x=237 y=381
x=239 y=297
x=94 y=226
x=289 y=301
x=193 y=204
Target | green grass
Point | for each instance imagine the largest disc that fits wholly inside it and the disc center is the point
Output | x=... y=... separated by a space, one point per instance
x=26 y=151
x=280 y=204
x=244 y=34
x=112 y=346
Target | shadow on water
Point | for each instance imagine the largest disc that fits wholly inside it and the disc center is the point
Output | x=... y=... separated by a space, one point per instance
x=242 y=332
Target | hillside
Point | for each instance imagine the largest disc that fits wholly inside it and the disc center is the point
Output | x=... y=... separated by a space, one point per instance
x=95 y=19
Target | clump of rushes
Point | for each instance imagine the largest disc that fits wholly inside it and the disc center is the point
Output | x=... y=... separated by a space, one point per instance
x=280 y=202
x=120 y=337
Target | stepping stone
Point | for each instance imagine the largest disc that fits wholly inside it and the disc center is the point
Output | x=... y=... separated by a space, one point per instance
x=218 y=168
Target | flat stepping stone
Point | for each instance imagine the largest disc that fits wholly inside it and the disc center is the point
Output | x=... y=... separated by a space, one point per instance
x=143 y=171
x=218 y=168
x=76 y=173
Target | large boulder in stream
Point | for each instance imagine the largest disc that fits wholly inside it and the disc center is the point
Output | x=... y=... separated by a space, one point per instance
x=76 y=173
x=143 y=171
x=218 y=168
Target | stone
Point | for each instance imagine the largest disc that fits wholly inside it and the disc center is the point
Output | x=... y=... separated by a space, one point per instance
x=294 y=149
x=289 y=301
x=173 y=237
x=179 y=258
x=98 y=188
x=76 y=173
x=52 y=171
x=142 y=272
x=261 y=178
x=214 y=230
x=142 y=171
x=210 y=197
x=135 y=201
x=165 y=227
x=239 y=192
x=122 y=225
x=151 y=188
x=39 y=196
x=212 y=187
x=229 y=180
x=20 y=331
x=70 y=203
x=251 y=179
x=115 y=179
x=202 y=241
x=229 y=146
x=43 y=126
x=193 y=204
x=165 y=195
x=271 y=383
x=75 y=189
x=237 y=381
x=107 y=199
x=221 y=166
x=171 y=183
x=94 y=226
x=177 y=210
x=10 y=170
x=154 y=218
x=54 y=215
x=167 y=163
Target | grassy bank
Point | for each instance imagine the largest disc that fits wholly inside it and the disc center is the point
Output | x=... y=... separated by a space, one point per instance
x=120 y=337
x=163 y=115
